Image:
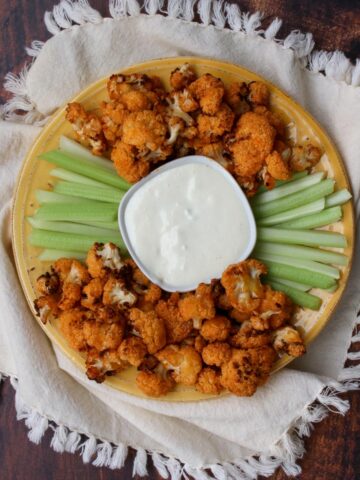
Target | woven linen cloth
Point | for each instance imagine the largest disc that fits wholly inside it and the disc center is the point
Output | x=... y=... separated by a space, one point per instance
x=231 y=437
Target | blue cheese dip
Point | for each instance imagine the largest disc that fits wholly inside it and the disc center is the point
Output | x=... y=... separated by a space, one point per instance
x=186 y=224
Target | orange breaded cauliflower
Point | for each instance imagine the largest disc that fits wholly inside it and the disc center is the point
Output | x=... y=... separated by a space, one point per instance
x=112 y=118
x=258 y=93
x=216 y=329
x=199 y=343
x=99 y=364
x=247 y=369
x=239 y=317
x=187 y=102
x=217 y=152
x=73 y=275
x=248 y=337
x=87 y=128
x=209 y=91
x=116 y=293
x=288 y=340
x=155 y=383
x=198 y=306
x=119 y=85
x=184 y=362
x=132 y=350
x=277 y=167
x=211 y=127
x=127 y=162
x=103 y=259
x=275 y=309
x=209 y=382
x=304 y=157
x=46 y=307
x=108 y=314
x=235 y=97
x=103 y=336
x=216 y=353
x=175 y=101
x=145 y=130
x=150 y=327
x=92 y=293
x=71 y=324
x=253 y=142
x=177 y=329
x=243 y=286
x=273 y=118
x=182 y=76
x=48 y=283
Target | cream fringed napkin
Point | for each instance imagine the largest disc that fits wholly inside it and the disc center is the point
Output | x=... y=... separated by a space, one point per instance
x=233 y=438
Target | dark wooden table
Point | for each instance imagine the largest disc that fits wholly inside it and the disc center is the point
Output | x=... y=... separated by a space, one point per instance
x=333 y=451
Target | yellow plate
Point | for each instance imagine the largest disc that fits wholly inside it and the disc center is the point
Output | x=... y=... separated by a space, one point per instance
x=35 y=175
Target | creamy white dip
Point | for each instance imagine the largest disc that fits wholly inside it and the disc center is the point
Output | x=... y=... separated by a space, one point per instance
x=187 y=224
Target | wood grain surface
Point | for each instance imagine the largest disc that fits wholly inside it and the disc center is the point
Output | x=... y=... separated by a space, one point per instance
x=333 y=450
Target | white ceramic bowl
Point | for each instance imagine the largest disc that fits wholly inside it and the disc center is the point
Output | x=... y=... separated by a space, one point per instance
x=168 y=166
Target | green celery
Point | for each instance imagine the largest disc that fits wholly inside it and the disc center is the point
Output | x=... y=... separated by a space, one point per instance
x=278 y=183
x=299 y=252
x=337 y=198
x=69 y=227
x=297 y=274
x=303 y=299
x=103 y=194
x=49 y=255
x=303 y=237
x=292 y=214
x=326 y=217
x=109 y=225
x=47 y=196
x=93 y=211
x=76 y=150
x=287 y=188
x=75 y=177
x=303 y=197
x=290 y=283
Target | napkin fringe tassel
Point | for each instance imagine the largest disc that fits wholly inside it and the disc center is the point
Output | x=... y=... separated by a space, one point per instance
x=218 y=13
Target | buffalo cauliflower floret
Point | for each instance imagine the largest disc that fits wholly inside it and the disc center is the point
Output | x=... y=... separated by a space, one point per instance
x=119 y=84
x=198 y=306
x=128 y=163
x=217 y=152
x=132 y=350
x=243 y=286
x=87 y=128
x=103 y=259
x=116 y=293
x=112 y=118
x=258 y=93
x=239 y=317
x=48 y=283
x=73 y=275
x=277 y=167
x=288 y=340
x=108 y=314
x=150 y=327
x=209 y=382
x=235 y=97
x=174 y=109
x=184 y=363
x=71 y=323
x=216 y=329
x=187 y=102
x=103 y=336
x=211 y=127
x=199 y=343
x=99 y=364
x=182 y=76
x=155 y=383
x=209 y=91
x=273 y=118
x=177 y=329
x=275 y=309
x=145 y=130
x=92 y=293
x=247 y=369
x=248 y=337
x=216 y=353
x=304 y=157
x=46 y=307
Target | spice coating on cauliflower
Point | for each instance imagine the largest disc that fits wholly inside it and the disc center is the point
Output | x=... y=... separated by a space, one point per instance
x=209 y=382
x=198 y=306
x=127 y=164
x=150 y=327
x=153 y=383
x=116 y=293
x=216 y=329
x=132 y=350
x=182 y=76
x=216 y=353
x=288 y=340
x=103 y=259
x=209 y=91
x=177 y=329
x=184 y=362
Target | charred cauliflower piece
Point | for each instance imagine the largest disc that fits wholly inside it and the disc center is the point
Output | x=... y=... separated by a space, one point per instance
x=209 y=92
x=209 y=382
x=247 y=369
x=177 y=329
x=145 y=130
x=216 y=353
x=127 y=162
x=274 y=310
x=304 y=157
x=248 y=337
x=243 y=286
x=216 y=329
x=73 y=275
x=288 y=340
x=217 y=152
x=103 y=336
x=99 y=364
x=258 y=93
x=92 y=293
x=48 y=283
x=184 y=363
x=116 y=293
x=277 y=167
x=103 y=259
x=155 y=383
x=46 y=307
x=113 y=116
x=211 y=127
x=87 y=128
x=132 y=350
x=71 y=323
x=182 y=76
x=198 y=306
x=235 y=97
x=150 y=327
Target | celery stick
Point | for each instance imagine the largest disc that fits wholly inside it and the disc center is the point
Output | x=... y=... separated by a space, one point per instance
x=69 y=227
x=74 y=177
x=299 y=286
x=337 y=198
x=302 y=237
x=295 y=213
x=294 y=200
x=83 y=167
x=48 y=255
x=278 y=183
x=46 y=196
x=109 y=225
x=76 y=150
x=287 y=188
x=103 y=194
x=303 y=299
x=70 y=241
x=93 y=211
x=305 y=264
x=298 y=252
x=301 y=275
x=326 y=217
x=333 y=288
